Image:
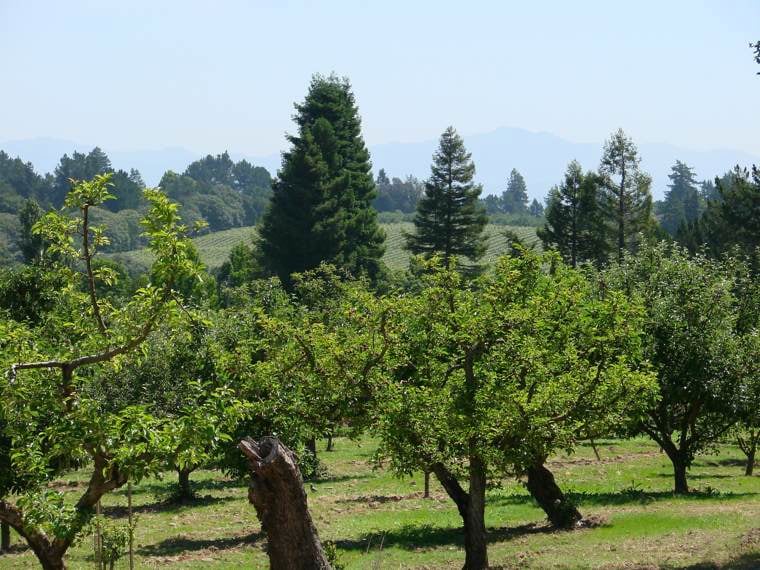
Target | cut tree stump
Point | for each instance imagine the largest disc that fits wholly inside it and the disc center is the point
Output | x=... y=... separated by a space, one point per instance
x=276 y=492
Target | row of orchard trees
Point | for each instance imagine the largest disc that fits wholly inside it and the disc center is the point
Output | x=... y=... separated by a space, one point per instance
x=472 y=380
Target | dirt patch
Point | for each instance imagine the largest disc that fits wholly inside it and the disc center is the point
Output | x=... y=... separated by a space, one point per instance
x=751 y=539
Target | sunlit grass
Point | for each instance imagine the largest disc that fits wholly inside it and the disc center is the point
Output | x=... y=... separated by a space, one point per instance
x=380 y=521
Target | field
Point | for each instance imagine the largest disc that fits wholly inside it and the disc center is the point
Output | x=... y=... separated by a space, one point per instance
x=380 y=522
x=214 y=248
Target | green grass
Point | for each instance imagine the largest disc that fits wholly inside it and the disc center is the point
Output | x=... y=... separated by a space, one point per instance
x=379 y=521
x=214 y=248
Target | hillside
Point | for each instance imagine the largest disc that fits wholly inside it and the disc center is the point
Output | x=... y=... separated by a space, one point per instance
x=214 y=248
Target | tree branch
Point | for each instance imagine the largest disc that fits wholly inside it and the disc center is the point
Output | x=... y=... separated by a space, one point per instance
x=87 y=256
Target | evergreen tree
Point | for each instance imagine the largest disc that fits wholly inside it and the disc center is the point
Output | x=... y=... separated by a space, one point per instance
x=756 y=48
x=514 y=200
x=575 y=225
x=321 y=206
x=626 y=196
x=450 y=219
x=682 y=200
x=536 y=208
x=31 y=245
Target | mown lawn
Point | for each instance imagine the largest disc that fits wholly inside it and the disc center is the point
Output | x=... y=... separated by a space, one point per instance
x=380 y=522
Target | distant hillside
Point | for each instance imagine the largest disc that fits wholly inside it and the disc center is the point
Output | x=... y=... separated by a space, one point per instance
x=214 y=248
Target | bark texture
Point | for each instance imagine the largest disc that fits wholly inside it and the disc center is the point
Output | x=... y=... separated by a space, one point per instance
x=471 y=507
x=558 y=508
x=5 y=537
x=276 y=492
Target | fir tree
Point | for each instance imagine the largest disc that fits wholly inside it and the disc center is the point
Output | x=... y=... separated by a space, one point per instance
x=514 y=200
x=321 y=204
x=626 y=197
x=682 y=202
x=450 y=219
x=575 y=226
x=536 y=208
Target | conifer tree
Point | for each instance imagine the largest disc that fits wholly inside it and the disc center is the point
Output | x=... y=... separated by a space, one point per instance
x=514 y=200
x=626 y=196
x=575 y=226
x=536 y=208
x=321 y=204
x=682 y=203
x=450 y=219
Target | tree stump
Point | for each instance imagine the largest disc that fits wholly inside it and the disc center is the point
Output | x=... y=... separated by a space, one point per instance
x=276 y=492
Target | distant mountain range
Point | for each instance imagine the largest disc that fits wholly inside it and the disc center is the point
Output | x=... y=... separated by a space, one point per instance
x=540 y=157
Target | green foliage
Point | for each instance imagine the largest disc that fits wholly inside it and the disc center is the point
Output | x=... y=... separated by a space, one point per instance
x=682 y=204
x=49 y=419
x=115 y=538
x=223 y=193
x=396 y=195
x=321 y=209
x=515 y=198
x=693 y=344
x=128 y=187
x=31 y=246
x=626 y=198
x=575 y=225
x=450 y=219
x=525 y=361
x=19 y=182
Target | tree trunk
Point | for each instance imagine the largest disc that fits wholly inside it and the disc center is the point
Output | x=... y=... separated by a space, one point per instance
x=472 y=511
x=311 y=446
x=680 y=486
x=596 y=451
x=475 y=541
x=749 y=469
x=184 y=491
x=5 y=537
x=542 y=487
x=330 y=442
x=748 y=445
x=276 y=492
x=426 y=494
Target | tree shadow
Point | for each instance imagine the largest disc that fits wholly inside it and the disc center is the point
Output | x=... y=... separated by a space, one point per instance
x=166 y=485
x=180 y=544
x=342 y=478
x=746 y=561
x=699 y=476
x=728 y=462
x=623 y=497
x=414 y=537
x=167 y=506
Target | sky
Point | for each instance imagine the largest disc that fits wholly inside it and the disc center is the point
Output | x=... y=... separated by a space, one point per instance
x=209 y=76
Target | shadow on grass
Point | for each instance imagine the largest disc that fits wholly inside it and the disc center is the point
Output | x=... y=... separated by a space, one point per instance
x=413 y=537
x=342 y=478
x=700 y=476
x=747 y=561
x=167 y=485
x=180 y=544
x=624 y=497
x=729 y=462
x=168 y=506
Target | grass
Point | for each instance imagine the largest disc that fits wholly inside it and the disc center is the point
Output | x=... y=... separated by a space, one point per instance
x=214 y=248
x=378 y=521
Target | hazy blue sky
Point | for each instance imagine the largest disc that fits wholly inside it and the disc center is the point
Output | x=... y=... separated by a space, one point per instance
x=214 y=75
